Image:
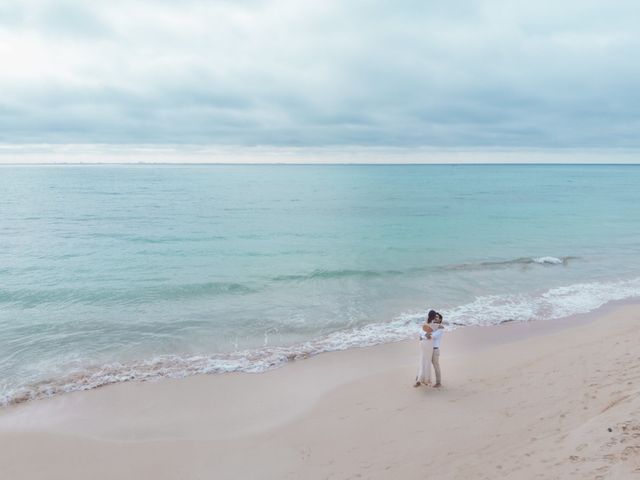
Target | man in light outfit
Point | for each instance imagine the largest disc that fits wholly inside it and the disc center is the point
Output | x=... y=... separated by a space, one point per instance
x=436 y=336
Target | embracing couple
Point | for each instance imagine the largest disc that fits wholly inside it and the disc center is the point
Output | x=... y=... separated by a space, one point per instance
x=430 y=337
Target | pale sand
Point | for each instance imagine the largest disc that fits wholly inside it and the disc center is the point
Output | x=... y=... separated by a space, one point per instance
x=520 y=401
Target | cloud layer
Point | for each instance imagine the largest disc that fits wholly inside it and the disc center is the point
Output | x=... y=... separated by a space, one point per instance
x=306 y=73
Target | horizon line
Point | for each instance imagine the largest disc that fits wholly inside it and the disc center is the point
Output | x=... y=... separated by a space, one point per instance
x=25 y=164
x=146 y=154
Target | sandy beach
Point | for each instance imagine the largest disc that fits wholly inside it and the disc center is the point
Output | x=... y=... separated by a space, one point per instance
x=223 y=224
x=557 y=399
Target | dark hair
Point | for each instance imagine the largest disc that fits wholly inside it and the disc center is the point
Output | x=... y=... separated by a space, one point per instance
x=431 y=316
x=439 y=316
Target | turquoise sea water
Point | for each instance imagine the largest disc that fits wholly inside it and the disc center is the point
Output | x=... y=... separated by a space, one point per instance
x=109 y=273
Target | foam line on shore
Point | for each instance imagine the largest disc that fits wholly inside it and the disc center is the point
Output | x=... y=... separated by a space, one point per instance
x=483 y=311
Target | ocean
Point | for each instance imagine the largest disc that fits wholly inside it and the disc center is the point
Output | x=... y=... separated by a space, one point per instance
x=111 y=273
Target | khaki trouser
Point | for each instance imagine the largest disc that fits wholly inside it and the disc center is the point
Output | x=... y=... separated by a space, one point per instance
x=435 y=360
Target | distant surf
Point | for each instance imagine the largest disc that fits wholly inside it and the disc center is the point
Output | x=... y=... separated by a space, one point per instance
x=336 y=274
x=521 y=261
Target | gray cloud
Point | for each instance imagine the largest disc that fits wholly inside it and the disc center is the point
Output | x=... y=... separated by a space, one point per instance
x=444 y=74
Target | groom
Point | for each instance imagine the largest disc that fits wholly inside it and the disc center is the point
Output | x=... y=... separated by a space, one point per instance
x=436 y=336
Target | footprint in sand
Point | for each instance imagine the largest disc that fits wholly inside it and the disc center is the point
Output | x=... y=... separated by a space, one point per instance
x=615 y=402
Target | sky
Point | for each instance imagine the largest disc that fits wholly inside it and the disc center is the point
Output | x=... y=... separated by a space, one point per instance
x=310 y=77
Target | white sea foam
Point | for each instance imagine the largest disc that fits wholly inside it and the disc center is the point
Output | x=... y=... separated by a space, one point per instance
x=552 y=304
x=548 y=260
x=486 y=310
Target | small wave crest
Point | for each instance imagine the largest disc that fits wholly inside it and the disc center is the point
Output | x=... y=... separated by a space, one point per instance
x=334 y=274
x=550 y=260
x=345 y=273
x=485 y=310
x=29 y=297
x=521 y=261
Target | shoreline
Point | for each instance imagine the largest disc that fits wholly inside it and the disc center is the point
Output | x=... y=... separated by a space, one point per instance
x=515 y=330
x=316 y=418
x=160 y=368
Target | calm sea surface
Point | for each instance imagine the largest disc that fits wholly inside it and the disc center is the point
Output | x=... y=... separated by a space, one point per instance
x=109 y=273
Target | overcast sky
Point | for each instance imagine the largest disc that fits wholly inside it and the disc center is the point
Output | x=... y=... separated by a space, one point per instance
x=322 y=73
